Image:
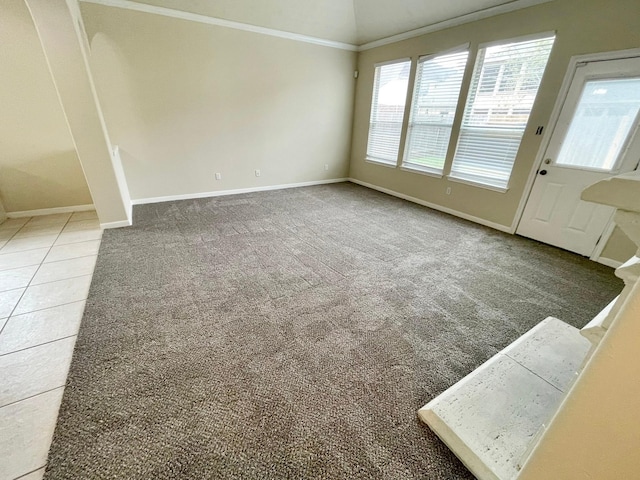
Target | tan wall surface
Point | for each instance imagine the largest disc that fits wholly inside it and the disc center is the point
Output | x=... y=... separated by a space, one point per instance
x=3 y=213
x=582 y=27
x=185 y=100
x=619 y=247
x=39 y=167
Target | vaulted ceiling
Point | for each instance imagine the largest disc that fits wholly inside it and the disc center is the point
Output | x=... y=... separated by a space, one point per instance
x=351 y=21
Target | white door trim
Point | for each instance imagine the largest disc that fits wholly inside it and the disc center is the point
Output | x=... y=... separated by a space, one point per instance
x=553 y=120
x=608 y=230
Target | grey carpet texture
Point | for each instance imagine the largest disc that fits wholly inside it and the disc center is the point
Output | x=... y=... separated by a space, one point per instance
x=294 y=334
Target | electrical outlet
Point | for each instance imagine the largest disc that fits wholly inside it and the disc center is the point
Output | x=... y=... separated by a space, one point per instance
x=448 y=190
x=326 y=166
x=257 y=173
x=218 y=176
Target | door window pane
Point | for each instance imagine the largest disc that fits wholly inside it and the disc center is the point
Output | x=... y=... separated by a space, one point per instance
x=605 y=115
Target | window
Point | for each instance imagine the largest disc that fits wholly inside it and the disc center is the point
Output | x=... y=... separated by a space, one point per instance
x=606 y=113
x=435 y=98
x=503 y=88
x=489 y=78
x=387 y=111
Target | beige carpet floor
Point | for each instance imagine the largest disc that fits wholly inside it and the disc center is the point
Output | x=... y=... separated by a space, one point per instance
x=294 y=334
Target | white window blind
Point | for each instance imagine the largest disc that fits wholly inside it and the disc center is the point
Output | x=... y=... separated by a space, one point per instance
x=387 y=111
x=433 y=108
x=503 y=88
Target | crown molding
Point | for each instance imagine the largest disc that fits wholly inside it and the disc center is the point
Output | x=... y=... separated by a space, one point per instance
x=195 y=17
x=219 y=22
x=454 y=22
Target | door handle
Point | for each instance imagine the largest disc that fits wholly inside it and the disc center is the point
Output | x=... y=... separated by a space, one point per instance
x=542 y=172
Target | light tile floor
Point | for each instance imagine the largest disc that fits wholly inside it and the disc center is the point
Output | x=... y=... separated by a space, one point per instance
x=46 y=265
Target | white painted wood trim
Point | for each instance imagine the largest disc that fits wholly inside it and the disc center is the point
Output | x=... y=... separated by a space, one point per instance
x=450 y=211
x=392 y=62
x=454 y=22
x=219 y=193
x=450 y=51
x=121 y=180
x=408 y=167
x=518 y=39
x=604 y=56
x=122 y=223
x=380 y=162
x=606 y=234
x=553 y=121
x=219 y=22
x=486 y=186
x=609 y=262
x=50 y=211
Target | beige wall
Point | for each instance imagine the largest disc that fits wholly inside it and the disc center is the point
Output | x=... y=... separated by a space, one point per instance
x=39 y=167
x=582 y=27
x=3 y=213
x=185 y=100
x=619 y=247
x=64 y=42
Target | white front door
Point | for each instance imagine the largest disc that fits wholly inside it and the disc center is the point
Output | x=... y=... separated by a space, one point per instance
x=596 y=136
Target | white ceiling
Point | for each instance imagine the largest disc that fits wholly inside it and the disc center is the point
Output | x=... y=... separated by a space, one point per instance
x=350 y=21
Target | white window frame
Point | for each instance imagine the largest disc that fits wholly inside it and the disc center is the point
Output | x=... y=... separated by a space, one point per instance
x=405 y=165
x=372 y=159
x=479 y=182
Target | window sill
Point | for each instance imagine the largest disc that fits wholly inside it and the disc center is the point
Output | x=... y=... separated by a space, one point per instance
x=478 y=184
x=380 y=162
x=421 y=171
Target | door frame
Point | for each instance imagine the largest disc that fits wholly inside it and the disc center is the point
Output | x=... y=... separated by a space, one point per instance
x=569 y=76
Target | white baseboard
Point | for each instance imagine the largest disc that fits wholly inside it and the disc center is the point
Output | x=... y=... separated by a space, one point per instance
x=122 y=223
x=609 y=262
x=50 y=211
x=219 y=193
x=481 y=221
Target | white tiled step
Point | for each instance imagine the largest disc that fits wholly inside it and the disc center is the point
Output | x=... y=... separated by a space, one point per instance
x=490 y=418
x=596 y=328
x=629 y=271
